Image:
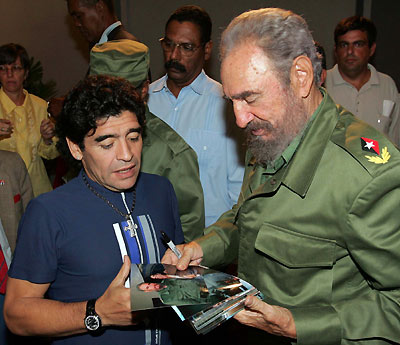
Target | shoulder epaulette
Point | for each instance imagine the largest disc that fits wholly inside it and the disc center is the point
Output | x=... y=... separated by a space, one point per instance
x=370 y=147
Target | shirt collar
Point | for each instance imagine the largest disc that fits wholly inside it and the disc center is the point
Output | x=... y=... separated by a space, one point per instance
x=198 y=85
x=374 y=75
x=303 y=165
x=8 y=104
x=338 y=79
x=302 y=157
x=104 y=36
x=105 y=192
x=288 y=153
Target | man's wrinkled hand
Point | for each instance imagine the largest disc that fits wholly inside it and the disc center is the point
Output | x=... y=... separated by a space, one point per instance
x=269 y=318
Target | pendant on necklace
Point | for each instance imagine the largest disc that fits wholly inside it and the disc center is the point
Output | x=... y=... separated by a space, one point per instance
x=131 y=227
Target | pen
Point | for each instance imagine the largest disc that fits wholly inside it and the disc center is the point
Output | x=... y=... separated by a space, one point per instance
x=171 y=244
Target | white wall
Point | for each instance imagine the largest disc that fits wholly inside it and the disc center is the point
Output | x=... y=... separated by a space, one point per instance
x=43 y=27
x=146 y=20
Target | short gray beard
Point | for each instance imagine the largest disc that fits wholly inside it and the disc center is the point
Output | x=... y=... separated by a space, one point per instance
x=266 y=151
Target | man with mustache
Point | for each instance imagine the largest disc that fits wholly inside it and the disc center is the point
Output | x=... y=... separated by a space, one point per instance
x=357 y=85
x=69 y=276
x=316 y=227
x=192 y=104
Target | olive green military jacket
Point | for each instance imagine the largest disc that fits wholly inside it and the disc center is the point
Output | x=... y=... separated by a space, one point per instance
x=322 y=235
x=165 y=153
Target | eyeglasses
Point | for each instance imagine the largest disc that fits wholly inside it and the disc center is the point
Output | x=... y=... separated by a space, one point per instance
x=13 y=68
x=186 y=49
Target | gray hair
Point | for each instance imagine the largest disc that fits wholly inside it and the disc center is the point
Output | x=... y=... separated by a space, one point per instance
x=282 y=35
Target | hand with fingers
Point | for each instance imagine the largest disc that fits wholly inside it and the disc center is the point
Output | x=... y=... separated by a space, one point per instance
x=269 y=318
x=47 y=131
x=192 y=254
x=114 y=306
x=6 y=129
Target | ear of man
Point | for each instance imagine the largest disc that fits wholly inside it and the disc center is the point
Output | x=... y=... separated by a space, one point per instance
x=302 y=76
x=75 y=150
x=103 y=14
x=372 y=49
x=144 y=91
x=207 y=50
x=100 y=7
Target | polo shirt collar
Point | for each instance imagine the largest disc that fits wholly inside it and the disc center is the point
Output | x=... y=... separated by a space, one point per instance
x=338 y=79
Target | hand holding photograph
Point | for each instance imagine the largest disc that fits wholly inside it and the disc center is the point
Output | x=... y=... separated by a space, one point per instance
x=203 y=296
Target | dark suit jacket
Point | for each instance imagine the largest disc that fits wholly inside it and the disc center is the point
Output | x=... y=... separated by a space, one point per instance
x=15 y=193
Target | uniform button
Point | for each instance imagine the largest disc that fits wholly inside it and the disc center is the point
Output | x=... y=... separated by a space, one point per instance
x=272 y=182
x=176 y=109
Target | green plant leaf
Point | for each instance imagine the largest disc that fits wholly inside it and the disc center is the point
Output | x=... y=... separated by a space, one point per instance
x=34 y=82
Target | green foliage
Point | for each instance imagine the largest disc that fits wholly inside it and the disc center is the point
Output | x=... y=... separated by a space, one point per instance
x=34 y=83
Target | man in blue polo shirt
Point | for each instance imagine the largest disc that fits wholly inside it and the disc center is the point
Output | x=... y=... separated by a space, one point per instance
x=74 y=240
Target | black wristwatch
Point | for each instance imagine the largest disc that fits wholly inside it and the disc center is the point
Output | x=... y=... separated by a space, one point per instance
x=92 y=320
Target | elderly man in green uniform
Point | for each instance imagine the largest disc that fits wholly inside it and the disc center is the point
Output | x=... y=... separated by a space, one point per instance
x=316 y=227
x=164 y=152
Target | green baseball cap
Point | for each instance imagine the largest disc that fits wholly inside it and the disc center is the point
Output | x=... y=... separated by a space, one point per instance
x=121 y=58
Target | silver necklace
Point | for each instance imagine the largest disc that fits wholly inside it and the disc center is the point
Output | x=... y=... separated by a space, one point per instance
x=131 y=227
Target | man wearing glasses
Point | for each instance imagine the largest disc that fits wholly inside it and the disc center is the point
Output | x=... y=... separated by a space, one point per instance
x=192 y=103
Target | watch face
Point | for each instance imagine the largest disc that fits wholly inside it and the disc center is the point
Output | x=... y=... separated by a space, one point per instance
x=92 y=322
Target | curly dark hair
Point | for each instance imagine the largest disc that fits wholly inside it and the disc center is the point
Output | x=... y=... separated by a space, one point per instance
x=356 y=23
x=96 y=97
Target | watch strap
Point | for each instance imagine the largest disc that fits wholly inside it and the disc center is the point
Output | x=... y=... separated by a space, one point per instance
x=92 y=319
x=90 y=307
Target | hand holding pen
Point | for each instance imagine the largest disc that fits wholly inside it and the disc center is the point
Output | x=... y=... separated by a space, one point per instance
x=182 y=255
x=171 y=245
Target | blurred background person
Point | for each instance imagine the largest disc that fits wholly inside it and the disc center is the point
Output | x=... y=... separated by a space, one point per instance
x=322 y=56
x=356 y=84
x=15 y=193
x=24 y=124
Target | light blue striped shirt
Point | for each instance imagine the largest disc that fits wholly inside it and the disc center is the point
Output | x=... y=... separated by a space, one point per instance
x=205 y=120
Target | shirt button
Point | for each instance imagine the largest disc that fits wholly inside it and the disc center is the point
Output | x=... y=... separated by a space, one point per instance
x=273 y=182
x=204 y=148
x=176 y=109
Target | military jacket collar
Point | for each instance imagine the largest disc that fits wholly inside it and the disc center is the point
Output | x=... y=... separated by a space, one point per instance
x=298 y=174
